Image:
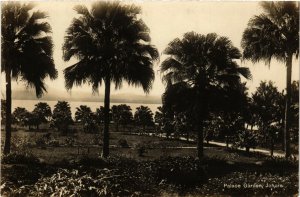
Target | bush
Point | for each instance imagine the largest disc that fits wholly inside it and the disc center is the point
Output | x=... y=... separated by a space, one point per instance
x=69 y=141
x=15 y=158
x=40 y=141
x=54 y=143
x=90 y=161
x=123 y=143
x=181 y=170
x=119 y=176
x=71 y=182
x=140 y=149
x=97 y=139
x=280 y=164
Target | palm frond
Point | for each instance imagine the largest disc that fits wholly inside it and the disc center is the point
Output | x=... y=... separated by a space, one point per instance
x=26 y=48
x=109 y=40
x=273 y=34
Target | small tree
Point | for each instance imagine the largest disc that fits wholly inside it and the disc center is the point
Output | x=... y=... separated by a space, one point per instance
x=32 y=119
x=183 y=124
x=61 y=117
x=86 y=117
x=143 y=117
x=121 y=114
x=246 y=139
x=20 y=114
x=126 y=115
x=42 y=112
x=159 y=119
x=267 y=107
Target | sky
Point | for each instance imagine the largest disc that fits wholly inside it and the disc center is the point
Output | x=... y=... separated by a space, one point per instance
x=168 y=20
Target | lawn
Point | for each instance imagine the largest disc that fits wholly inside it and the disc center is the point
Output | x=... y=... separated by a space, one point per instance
x=87 y=144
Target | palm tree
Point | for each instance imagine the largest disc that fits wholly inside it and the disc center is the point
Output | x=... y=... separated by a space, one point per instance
x=266 y=100
x=111 y=44
x=275 y=34
x=61 y=117
x=86 y=117
x=26 y=51
x=202 y=68
x=43 y=112
x=82 y=113
x=143 y=117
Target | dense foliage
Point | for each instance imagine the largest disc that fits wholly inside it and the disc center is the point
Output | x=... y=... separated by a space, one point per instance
x=121 y=114
x=43 y=113
x=62 y=116
x=274 y=34
x=118 y=176
x=87 y=118
x=201 y=71
x=143 y=117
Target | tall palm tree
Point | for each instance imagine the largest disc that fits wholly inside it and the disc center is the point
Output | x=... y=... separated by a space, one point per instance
x=201 y=68
x=26 y=51
x=111 y=44
x=275 y=34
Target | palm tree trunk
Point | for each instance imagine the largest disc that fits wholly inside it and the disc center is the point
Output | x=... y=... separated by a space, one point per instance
x=288 y=105
x=8 y=112
x=282 y=134
x=105 y=150
x=200 y=138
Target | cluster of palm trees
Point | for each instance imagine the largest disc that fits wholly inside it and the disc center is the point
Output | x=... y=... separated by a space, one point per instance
x=91 y=122
x=112 y=44
x=40 y=114
x=120 y=115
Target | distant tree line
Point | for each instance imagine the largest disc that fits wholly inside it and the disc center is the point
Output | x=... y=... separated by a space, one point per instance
x=61 y=117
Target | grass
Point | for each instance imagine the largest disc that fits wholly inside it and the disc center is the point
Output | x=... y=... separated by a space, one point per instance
x=86 y=144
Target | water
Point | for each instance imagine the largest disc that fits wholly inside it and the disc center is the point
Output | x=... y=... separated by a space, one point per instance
x=29 y=105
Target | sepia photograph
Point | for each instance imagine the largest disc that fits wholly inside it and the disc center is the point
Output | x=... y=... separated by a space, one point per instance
x=149 y=98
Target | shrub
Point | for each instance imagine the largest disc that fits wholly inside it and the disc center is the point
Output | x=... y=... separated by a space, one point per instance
x=123 y=143
x=69 y=141
x=280 y=164
x=40 y=141
x=71 y=182
x=54 y=143
x=97 y=139
x=181 y=170
x=90 y=161
x=140 y=149
x=15 y=158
